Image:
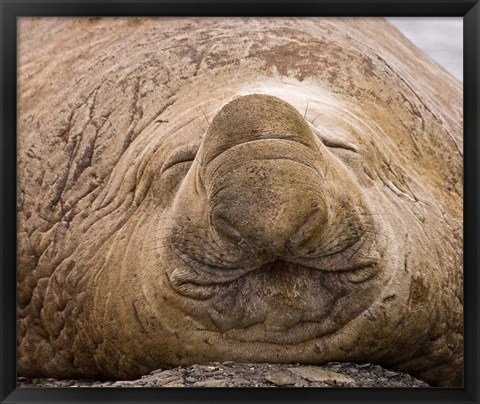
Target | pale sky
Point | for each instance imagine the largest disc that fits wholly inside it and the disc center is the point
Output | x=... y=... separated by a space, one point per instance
x=439 y=37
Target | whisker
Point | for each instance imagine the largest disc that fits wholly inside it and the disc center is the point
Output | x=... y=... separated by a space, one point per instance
x=306 y=109
x=314 y=119
x=177 y=228
x=205 y=117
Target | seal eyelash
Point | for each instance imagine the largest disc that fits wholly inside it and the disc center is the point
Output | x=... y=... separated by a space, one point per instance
x=332 y=142
x=183 y=155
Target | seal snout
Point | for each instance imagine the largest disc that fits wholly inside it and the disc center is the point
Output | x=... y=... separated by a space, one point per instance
x=275 y=206
x=260 y=167
x=278 y=235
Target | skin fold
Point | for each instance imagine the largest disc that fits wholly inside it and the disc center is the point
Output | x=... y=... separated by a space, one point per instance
x=256 y=190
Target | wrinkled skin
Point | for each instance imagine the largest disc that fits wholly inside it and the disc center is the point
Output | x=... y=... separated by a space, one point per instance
x=255 y=190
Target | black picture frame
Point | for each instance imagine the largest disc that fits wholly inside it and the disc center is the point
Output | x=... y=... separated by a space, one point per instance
x=10 y=10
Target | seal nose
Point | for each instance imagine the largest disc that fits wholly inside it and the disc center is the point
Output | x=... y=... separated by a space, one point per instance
x=275 y=206
x=259 y=163
x=283 y=237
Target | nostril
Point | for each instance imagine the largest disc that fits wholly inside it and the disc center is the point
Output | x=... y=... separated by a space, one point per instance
x=223 y=225
x=305 y=232
x=289 y=249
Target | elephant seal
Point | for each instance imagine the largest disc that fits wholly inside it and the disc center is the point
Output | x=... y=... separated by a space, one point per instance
x=254 y=190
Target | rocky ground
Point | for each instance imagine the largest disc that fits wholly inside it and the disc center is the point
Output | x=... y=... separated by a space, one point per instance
x=230 y=374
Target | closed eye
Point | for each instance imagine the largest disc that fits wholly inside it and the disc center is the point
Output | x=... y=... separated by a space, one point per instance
x=166 y=167
x=333 y=142
x=185 y=154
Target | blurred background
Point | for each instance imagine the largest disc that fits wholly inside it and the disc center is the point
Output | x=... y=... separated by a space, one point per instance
x=439 y=37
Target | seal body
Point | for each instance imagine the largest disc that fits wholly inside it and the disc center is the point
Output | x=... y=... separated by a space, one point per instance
x=255 y=190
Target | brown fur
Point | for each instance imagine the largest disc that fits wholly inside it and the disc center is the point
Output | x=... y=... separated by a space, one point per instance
x=314 y=215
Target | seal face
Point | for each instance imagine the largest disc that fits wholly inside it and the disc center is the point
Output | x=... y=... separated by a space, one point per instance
x=290 y=194
x=290 y=249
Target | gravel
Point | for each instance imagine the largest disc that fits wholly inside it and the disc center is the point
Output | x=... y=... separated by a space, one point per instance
x=230 y=374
